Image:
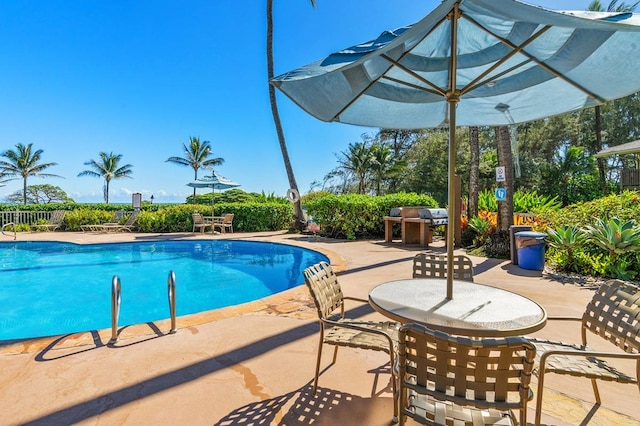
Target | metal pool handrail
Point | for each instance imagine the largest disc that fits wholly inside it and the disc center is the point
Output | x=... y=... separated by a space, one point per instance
x=14 y=229
x=171 y=288
x=116 y=300
x=115 y=308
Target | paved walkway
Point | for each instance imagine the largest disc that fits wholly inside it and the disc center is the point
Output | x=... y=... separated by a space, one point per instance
x=252 y=364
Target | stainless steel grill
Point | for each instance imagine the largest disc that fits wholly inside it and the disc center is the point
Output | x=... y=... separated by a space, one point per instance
x=436 y=216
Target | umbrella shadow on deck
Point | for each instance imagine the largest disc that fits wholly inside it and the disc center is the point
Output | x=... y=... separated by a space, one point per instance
x=326 y=407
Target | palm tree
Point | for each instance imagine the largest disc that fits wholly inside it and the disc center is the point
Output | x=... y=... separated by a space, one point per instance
x=299 y=222
x=196 y=156
x=505 y=158
x=596 y=6
x=357 y=160
x=109 y=169
x=24 y=162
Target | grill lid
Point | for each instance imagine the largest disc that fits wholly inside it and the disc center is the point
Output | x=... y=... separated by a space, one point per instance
x=434 y=214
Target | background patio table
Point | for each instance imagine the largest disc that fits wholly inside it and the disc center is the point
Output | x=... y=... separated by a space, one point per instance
x=477 y=310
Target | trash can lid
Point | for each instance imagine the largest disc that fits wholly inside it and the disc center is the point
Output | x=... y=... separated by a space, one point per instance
x=530 y=234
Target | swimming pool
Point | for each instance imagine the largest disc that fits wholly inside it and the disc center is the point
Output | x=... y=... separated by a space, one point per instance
x=51 y=288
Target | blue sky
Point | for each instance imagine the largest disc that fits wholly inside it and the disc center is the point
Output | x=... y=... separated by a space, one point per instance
x=138 y=78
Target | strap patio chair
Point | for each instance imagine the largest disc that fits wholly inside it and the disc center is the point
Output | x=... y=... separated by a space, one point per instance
x=117 y=227
x=200 y=223
x=57 y=216
x=451 y=380
x=427 y=265
x=337 y=330
x=225 y=223
x=96 y=227
x=612 y=314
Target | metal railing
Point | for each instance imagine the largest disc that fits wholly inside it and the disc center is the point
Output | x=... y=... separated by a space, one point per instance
x=116 y=288
x=15 y=233
x=171 y=287
x=115 y=308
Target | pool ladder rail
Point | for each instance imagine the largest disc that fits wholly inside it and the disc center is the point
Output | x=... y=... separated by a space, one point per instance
x=15 y=233
x=116 y=301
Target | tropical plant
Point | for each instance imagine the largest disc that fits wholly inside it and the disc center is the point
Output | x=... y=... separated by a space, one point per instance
x=22 y=163
x=483 y=228
x=107 y=168
x=617 y=239
x=614 y=236
x=567 y=238
x=357 y=160
x=196 y=156
x=299 y=222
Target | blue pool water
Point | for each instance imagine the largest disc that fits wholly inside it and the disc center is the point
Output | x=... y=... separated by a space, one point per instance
x=50 y=288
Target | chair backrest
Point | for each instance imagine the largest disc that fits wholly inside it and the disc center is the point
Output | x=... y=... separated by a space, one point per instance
x=132 y=218
x=483 y=373
x=324 y=288
x=57 y=216
x=427 y=265
x=614 y=314
x=228 y=218
x=197 y=218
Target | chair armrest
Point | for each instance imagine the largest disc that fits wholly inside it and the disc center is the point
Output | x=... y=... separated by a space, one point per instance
x=357 y=299
x=360 y=326
x=558 y=318
x=586 y=354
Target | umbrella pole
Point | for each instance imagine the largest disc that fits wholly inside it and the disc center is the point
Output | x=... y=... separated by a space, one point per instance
x=452 y=103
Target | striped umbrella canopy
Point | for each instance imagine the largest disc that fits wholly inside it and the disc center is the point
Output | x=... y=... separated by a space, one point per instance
x=474 y=63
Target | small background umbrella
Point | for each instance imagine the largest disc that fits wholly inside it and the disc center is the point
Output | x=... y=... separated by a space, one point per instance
x=474 y=63
x=215 y=181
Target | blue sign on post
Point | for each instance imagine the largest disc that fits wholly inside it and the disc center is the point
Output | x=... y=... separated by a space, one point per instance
x=501 y=194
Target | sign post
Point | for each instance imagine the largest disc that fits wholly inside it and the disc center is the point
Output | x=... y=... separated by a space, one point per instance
x=136 y=200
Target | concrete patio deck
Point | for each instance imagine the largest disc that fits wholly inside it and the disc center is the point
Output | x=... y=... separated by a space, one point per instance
x=253 y=364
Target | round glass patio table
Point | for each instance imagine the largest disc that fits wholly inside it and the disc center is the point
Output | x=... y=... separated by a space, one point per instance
x=476 y=310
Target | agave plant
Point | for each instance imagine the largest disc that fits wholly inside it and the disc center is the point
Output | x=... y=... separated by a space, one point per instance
x=567 y=238
x=482 y=227
x=614 y=236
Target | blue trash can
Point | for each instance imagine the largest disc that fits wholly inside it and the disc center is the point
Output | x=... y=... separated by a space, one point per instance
x=531 y=246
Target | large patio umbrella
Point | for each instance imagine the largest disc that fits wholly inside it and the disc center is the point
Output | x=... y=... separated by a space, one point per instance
x=474 y=63
x=215 y=181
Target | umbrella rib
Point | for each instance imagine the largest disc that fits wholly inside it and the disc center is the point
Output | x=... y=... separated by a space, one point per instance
x=396 y=63
x=436 y=89
x=519 y=49
x=362 y=92
x=516 y=50
x=470 y=88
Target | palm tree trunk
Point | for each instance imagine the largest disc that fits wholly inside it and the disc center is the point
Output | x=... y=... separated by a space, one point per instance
x=505 y=158
x=24 y=190
x=598 y=148
x=298 y=216
x=474 y=171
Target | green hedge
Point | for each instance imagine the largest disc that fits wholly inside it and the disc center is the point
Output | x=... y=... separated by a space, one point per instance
x=354 y=216
x=249 y=217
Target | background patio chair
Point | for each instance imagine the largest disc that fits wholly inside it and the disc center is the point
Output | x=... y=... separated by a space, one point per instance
x=116 y=227
x=200 y=223
x=337 y=331
x=462 y=381
x=57 y=216
x=613 y=314
x=119 y=214
x=427 y=265
x=225 y=224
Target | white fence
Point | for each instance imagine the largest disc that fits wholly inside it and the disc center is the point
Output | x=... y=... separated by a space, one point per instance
x=18 y=216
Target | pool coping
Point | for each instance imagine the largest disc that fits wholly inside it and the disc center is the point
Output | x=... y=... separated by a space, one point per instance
x=294 y=302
